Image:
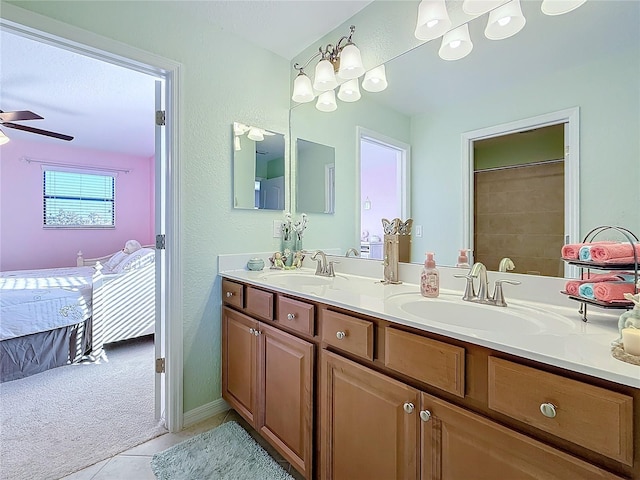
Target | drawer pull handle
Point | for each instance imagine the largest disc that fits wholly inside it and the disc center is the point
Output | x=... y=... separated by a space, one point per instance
x=425 y=415
x=291 y=316
x=229 y=294
x=408 y=407
x=340 y=335
x=548 y=410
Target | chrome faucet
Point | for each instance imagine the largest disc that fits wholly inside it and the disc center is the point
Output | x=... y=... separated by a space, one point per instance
x=506 y=264
x=355 y=252
x=324 y=268
x=479 y=271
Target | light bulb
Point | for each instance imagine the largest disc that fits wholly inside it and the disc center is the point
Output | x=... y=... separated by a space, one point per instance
x=325 y=78
x=433 y=19
x=350 y=62
x=375 y=80
x=456 y=44
x=327 y=101
x=302 y=89
x=349 y=91
x=503 y=21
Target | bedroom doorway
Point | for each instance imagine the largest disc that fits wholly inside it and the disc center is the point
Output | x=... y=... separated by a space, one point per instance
x=168 y=339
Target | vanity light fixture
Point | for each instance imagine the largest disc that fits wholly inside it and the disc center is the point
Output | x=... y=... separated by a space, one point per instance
x=559 y=7
x=253 y=133
x=456 y=43
x=505 y=21
x=433 y=20
x=340 y=65
x=3 y=138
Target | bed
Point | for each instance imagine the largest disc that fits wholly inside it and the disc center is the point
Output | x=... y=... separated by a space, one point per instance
x=53 y=317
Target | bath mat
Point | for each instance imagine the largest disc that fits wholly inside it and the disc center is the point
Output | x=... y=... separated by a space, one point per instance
x=225 y=452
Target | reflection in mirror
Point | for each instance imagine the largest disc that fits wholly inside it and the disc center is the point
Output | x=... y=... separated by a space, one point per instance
x=315 y=177
x=258 y=168
x=587 y=60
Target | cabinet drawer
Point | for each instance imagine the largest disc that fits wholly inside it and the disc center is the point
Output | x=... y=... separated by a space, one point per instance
x=297 y=315
x=232 y=293
x=590 y=416
x=348 y=333
x=430 y=361
x=259 y=303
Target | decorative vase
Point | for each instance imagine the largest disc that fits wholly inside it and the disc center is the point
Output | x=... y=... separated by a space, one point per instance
x=299 y=244
x=290 y=245
x=255 y=264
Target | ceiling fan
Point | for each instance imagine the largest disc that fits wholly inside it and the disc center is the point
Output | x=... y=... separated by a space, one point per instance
x=7 y=119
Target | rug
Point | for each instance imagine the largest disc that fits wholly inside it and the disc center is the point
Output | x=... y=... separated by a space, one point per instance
x=226 y=452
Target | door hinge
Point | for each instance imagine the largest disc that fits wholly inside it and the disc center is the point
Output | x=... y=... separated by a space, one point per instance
x=160 y=242
x=161 y=117
x=160 y=365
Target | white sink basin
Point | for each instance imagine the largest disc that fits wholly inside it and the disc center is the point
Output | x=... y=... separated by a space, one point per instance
x=453 y=311
x=302 y=280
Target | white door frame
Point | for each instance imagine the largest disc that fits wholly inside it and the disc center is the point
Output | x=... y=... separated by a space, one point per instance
x=403 y=173
x=53 y=32
x=571 y=118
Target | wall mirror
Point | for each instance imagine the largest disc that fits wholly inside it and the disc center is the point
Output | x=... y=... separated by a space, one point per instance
x=587 y=59
x=315 y=177
x=258 y=168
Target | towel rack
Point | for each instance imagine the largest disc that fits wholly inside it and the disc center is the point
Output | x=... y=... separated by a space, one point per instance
x=588 y=265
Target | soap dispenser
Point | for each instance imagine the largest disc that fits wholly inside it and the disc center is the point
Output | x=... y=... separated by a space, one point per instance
x=430 y=278
x=463 y=259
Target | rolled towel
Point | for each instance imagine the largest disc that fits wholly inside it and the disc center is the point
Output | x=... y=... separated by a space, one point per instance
x=571 y=251
x=572 y=286
x=585 y=253
x=612 y=291
x=586 y=290
x=605 y=252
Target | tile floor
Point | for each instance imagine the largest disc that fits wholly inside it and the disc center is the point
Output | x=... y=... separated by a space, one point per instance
x=135 y=464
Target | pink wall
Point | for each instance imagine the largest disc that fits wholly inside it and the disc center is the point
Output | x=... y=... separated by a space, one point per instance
x=25 y=244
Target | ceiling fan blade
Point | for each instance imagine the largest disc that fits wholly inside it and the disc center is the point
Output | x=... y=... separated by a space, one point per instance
x=19 y=115
x=61 y=136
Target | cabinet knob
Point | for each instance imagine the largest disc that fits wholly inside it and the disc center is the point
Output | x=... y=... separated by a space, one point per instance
x=425 y=415
x=252 y=331
x=291 y=316
x=409 y=407
x=256 y=332
x=548 y=410
x=340 y=335
x=229 y=294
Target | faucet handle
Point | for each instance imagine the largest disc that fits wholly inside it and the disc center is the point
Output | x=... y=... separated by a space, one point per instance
x=330 y=271
x=498 y=295
x=469 y=291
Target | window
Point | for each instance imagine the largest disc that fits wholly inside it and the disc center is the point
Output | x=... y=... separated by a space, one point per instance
x=78 y=200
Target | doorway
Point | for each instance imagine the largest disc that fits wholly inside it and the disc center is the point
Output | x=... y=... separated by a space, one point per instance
x=383 y=188
x=568 y=122
x=167 y=225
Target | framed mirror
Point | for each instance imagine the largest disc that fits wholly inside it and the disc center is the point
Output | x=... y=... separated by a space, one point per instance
x=258 y=168
x=315 y=177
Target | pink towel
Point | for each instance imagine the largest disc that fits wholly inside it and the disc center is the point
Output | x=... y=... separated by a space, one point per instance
x=603 y=253
x=612 y=291
x=571 y=251
x=571 y=287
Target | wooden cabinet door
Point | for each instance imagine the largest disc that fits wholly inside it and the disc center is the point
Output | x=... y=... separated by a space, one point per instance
x=286 y=383
x=458 y=444
x=240 y=363
x=366 y=433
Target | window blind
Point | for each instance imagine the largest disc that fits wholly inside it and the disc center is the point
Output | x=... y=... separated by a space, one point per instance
x=72 y=199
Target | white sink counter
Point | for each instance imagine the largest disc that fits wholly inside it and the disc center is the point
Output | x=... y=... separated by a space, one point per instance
x=554 y=334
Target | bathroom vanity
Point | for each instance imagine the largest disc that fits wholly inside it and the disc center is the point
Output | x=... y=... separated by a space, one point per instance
x=345 y=378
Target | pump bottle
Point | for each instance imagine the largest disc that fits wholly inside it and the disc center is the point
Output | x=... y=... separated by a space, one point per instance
x=463 y=259
x=430 y=278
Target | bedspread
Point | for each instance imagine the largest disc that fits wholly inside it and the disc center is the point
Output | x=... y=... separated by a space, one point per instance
x=33 y=301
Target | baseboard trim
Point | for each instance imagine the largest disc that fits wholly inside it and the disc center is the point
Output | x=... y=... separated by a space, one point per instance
x=204 y=412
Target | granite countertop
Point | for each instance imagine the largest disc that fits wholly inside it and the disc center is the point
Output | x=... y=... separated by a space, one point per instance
x=570 y=343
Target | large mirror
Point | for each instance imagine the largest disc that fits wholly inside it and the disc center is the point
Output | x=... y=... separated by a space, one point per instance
x=258 y=168
x=315 y=177
x=579 y=70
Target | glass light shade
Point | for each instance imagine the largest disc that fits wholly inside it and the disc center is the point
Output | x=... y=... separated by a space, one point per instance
x=327 y=101
x=456 y=44
x=558 y=7
x=505 y=21
x=255 y=134
x=325 y=78
x=375 y=80
x=3 y=138
x=433 y=20
x=478 y=7
x=302 y=89
x=349 y=91
x=350 y=62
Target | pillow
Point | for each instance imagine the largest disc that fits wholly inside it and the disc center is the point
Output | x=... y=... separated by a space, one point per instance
x=113 y=262
x=131 y=246
x=139 y=258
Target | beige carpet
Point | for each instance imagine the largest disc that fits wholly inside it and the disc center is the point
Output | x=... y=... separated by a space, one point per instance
x=62 y=420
